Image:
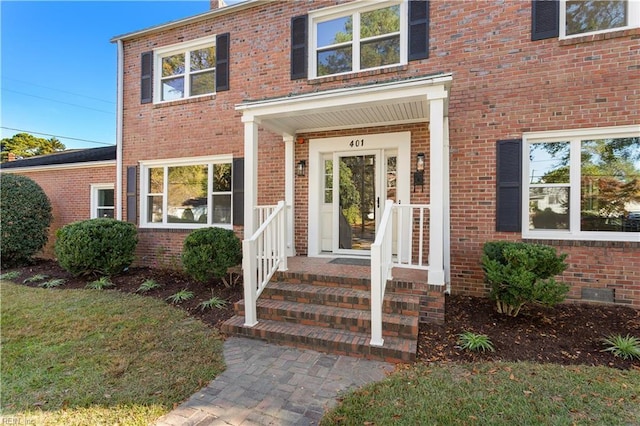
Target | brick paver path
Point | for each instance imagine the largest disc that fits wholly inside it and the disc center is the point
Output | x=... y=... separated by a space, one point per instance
x=267 y=384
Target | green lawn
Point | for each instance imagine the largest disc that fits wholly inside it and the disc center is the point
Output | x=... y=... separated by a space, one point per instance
x=78 y=357
x=495 y=394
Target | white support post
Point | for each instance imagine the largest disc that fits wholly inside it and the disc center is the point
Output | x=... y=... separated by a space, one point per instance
x=249 y=259
x=376 y=296
x=250 y=175
x=289 y=182
x=436 y=188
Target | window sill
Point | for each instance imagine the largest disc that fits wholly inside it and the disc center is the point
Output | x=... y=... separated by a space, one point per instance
x=600 y=36
x=184 y=101
x=583 y=243
x=351 y=76
x=172 y=228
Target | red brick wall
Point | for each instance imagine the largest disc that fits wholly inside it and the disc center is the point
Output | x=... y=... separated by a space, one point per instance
x=69 y=191
x=503 y=85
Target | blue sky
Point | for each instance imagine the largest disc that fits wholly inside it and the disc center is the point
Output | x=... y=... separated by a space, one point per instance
x=58 y=67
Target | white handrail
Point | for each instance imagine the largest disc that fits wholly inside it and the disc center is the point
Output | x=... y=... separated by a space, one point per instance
x=262 y=255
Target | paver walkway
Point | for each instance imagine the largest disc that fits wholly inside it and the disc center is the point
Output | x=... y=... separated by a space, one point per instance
x=266 y=384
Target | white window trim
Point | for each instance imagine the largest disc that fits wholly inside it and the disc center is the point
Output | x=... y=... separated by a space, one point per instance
x=355 y=8
x=633 y=21
x=186 y=161
x=95 y=189
x=574 y=137
x=162 y=52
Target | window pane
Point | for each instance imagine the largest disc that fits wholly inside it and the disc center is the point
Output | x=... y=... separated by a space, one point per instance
x=203 y=83
x=187 y=189
x=391 y=177
x=154 y=214
x=328 y=181
x=335 y=31
x=222 y=177
x=156 y=180
x=609 y=184
x=594 y=15
x=203 y=59
x=334 y=61
x=549 y=208
x=172 y=88
x=549 y=162
x=221 y=209
x=105 y=198
x=105 y=213
x=380 y=22
x=378 y=53
x=173 y=65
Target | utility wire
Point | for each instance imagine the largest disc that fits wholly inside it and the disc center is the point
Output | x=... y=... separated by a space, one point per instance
x=59 y=90
x=57 y=136
x=54 y=100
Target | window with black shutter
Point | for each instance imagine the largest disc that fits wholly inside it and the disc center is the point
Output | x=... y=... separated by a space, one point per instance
x=418 y=30
x=545 y=19
x=132 y=196
x=299 y=47
x=222 y=62
x=509 y=185
x=238 y=191
x=146 y=78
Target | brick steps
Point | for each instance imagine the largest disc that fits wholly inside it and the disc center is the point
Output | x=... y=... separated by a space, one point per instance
x=332 y=314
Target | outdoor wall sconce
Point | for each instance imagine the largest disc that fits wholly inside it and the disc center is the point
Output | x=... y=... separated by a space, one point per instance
x=418 y=175
x=301 y=168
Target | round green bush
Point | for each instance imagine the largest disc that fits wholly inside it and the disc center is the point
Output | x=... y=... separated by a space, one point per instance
x=101 y=246
x=209 y=252
x=25 y=217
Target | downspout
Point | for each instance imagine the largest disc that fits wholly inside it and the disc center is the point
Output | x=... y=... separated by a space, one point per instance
x=447 y=208
x=119 y=115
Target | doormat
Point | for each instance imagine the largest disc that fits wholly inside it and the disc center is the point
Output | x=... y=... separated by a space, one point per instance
x=350 y=261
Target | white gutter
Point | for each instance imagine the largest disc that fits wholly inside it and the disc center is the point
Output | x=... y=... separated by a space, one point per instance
x=119 y=114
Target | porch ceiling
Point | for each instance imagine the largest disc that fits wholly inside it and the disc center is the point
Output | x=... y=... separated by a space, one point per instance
x=381 y=104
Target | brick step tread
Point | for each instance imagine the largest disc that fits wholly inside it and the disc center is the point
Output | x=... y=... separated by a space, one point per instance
x=322 y=339
x=404 y=303
x=394 y=285
x=333 y=317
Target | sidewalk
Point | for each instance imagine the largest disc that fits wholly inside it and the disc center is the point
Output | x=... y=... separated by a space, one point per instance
x=266 y=384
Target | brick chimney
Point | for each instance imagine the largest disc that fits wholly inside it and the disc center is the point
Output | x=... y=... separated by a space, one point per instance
x=217 y=4
x=11 y=156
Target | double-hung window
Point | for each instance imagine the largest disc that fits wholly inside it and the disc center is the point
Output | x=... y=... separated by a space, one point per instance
x=579 y=17
x=358 y=36
x=186 y=70
x=187 y=193
x=102 y=200
x=582 y=184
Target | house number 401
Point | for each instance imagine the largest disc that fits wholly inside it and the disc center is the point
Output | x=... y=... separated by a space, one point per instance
x=356 y=143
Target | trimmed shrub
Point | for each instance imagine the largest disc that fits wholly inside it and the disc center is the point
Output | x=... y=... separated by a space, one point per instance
x=25 y=217
x=208 y=253
x=101 y=246
x=521 y=273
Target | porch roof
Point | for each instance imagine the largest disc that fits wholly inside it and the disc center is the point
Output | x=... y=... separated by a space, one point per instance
x=379 y=104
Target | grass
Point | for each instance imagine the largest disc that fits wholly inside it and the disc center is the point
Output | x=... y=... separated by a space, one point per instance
x=494 y=394
x=77 y=357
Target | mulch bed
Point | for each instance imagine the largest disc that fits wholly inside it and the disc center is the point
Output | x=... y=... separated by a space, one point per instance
x=568 y=334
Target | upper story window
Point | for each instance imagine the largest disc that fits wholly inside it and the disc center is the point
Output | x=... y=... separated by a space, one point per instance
x=582 y=184
x=187 y=193
x=186 y=71
x=579 y=17
x=358 y=36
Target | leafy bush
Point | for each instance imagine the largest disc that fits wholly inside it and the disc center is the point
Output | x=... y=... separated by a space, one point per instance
x=25 y=217
x=101 y=246
x=209 y=252
x=520 y=273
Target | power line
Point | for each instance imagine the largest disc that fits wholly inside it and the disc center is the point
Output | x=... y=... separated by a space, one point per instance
x=57 y=136
x=59 y=90
x=54 y=100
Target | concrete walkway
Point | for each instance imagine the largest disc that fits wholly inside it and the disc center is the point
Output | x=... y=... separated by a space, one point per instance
x=266 y=384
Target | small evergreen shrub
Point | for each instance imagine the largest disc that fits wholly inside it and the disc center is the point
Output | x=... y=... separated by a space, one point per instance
x=25 y=217
x=101 y=246
x=521 y=273
x=209 y=252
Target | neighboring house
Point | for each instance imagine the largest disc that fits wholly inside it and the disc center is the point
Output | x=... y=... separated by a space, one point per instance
x=79 y=183
x=485 y=110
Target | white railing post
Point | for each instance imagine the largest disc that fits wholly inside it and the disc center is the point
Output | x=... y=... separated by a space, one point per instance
x=284 y=237
x=376 y=296
x=250 y=283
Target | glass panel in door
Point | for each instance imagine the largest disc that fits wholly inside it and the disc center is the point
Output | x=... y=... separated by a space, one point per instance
x=358 y=202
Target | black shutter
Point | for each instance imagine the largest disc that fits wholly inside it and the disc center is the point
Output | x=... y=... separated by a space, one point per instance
x=238 y=191
x=545 y=19
x=146 y=78
x=509 y=185
x=299 y=47
x=222 y=62
x=132 y=199
x=418 y=30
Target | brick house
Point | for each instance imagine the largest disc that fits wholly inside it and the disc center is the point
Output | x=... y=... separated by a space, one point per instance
x=484 y=120
x=90 y=172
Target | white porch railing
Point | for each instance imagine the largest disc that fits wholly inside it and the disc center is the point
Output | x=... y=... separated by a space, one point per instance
x=262 y=255
x=383 y=259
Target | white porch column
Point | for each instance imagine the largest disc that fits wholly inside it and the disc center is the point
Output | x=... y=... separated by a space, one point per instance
x=289 y=182
x=436 y=187
x=250 y=175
